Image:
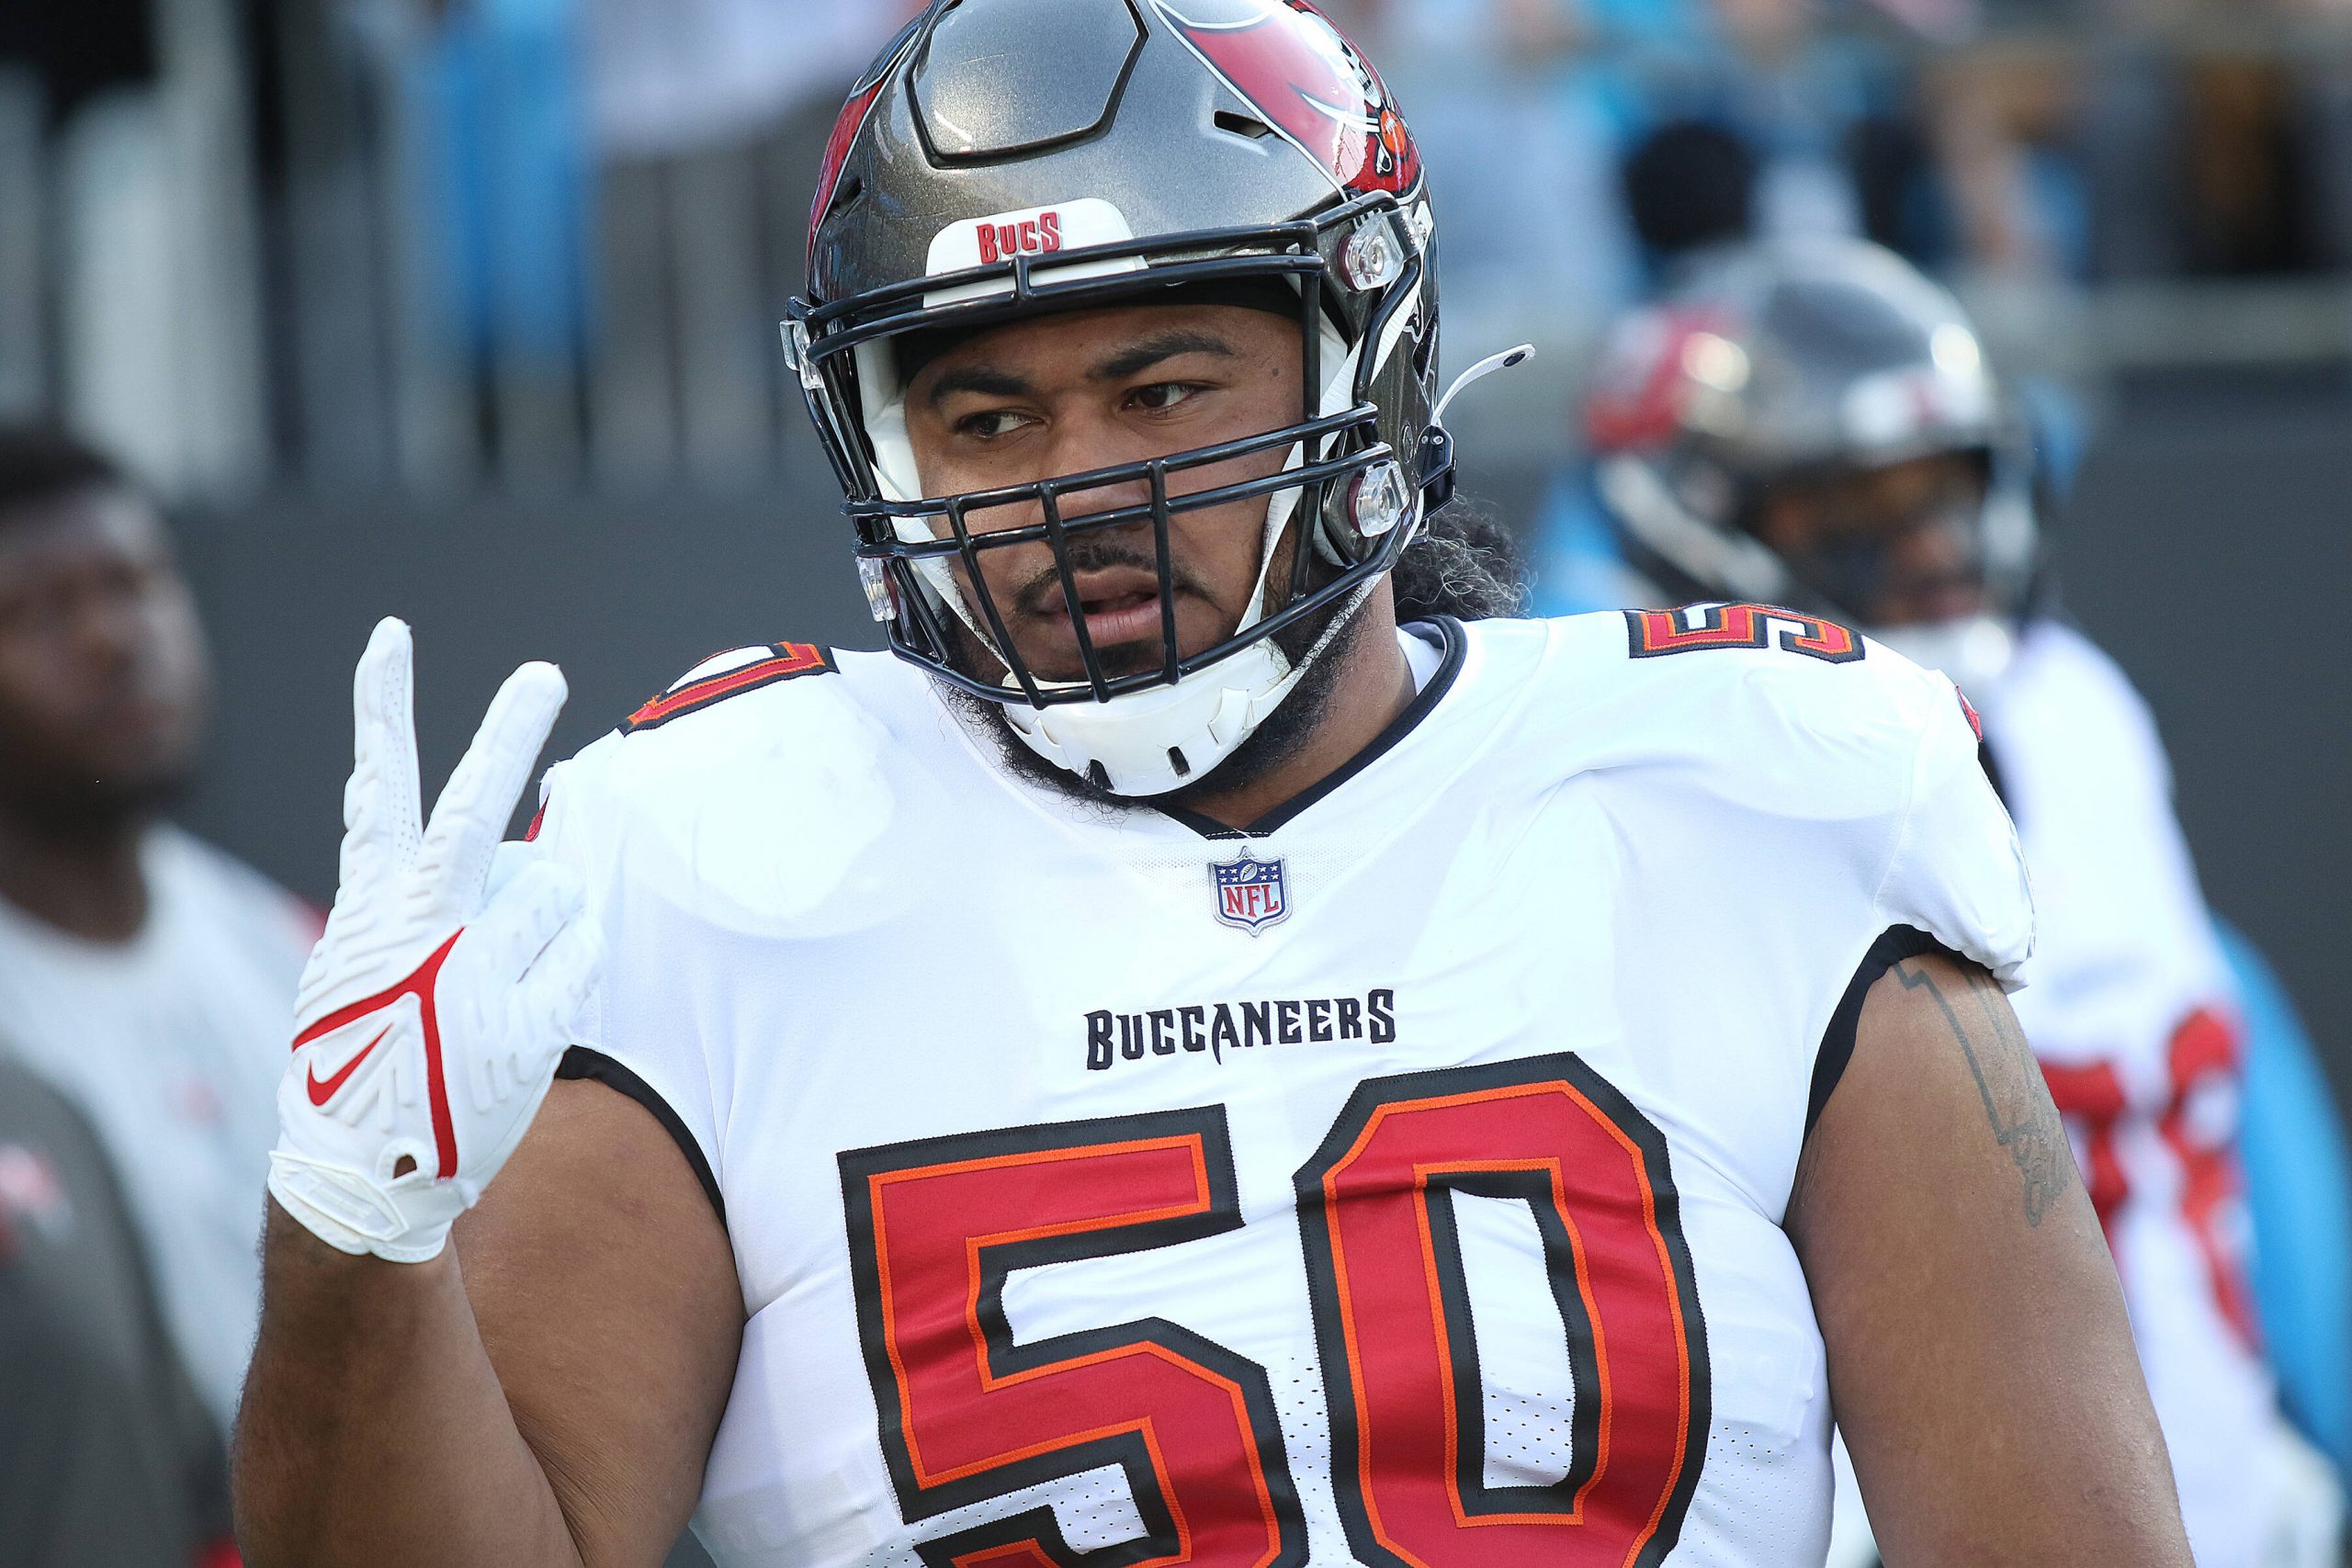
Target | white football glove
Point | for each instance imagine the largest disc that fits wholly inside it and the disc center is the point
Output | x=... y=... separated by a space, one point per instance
x=435 y=1008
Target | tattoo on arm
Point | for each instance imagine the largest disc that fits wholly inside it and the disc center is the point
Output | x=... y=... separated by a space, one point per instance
x=2019 y=1110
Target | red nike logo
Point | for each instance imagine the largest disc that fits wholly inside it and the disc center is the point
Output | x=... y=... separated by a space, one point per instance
x=322 y=1092
x=420 y=983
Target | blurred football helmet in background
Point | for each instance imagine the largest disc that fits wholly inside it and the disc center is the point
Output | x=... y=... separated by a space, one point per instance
x=1812 y=423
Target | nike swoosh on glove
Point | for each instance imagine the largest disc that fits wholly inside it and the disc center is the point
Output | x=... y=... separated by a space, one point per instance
x=435 y=1008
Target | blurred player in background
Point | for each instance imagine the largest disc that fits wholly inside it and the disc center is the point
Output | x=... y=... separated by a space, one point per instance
x=108 y=1458
x=146 y=975
x=1813 y=424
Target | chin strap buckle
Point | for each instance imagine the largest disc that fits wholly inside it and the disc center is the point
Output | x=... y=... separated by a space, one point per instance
x=1437 y=469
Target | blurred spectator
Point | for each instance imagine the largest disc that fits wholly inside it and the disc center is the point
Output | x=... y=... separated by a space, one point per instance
x=671 y=76
x=705 y=121
x=2003 y=125
x=108 y=1459
x=497 y=93
x=1691 y=185
x=1950 y=156
x=140 y=218
x=146 y=975
x=1523 y=156
x=81 y=52
x=2226 y=161
x=1766 y=72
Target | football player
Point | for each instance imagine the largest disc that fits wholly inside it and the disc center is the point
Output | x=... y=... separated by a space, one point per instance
x=1169 y=1065
x=1813 y=423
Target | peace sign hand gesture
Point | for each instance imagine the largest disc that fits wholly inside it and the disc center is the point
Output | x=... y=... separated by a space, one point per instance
x=435 y=1008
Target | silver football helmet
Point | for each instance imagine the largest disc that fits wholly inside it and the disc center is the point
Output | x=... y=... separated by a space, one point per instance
x=1797 y=365
x=1009 y=157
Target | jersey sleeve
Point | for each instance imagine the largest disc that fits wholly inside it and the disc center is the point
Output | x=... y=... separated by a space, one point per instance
x=620 y=1038
x=1957 y=872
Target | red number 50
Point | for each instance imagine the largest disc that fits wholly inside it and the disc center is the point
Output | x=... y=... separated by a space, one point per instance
x=1392 y=1317
x=966 y=1415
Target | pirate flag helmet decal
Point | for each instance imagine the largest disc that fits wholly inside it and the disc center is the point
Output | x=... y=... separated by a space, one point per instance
x=1313 y=86
x=1009 y=158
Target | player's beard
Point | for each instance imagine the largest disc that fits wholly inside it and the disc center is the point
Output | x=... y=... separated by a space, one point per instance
x=1275 y=740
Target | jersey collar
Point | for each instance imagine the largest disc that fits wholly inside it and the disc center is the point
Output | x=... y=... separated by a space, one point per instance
x=1445 y=633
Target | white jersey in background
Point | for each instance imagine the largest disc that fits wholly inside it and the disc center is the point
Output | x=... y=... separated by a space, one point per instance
x=172 y=1044
x=2128 y=1009
x=1330 y=1192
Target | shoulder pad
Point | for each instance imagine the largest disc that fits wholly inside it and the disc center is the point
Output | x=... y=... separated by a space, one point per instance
x=723 y=675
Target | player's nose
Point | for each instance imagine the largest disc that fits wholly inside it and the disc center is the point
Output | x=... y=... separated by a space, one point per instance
x=1071 y=503
x=1101 y=500
x=1089 y=446
x=1934 y=575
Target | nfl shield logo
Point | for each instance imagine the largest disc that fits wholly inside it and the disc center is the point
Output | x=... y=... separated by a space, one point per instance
x=1251 y=894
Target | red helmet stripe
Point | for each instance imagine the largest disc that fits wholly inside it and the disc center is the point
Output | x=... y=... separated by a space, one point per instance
x=829 y=174
x=851 y=120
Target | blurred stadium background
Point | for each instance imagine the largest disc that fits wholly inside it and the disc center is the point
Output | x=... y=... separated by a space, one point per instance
x=465 y=310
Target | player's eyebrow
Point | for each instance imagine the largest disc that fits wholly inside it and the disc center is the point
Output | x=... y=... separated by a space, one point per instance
x=981 y=378
x=1143 y=355
x=1136 y=358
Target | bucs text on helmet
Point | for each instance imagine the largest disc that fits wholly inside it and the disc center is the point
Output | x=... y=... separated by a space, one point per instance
x=1011 y=157
x=1794 y=365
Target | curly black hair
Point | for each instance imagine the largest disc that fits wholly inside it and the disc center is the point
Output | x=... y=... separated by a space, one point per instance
x=1465 y=564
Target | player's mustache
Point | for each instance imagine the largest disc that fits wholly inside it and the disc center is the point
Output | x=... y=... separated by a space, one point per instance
x=1041 y=594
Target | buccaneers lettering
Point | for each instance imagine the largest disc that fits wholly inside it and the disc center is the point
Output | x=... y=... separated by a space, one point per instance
x=1215 y=1028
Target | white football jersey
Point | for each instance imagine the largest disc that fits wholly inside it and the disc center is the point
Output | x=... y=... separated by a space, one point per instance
x=172 y=1043
x=1398 y=1181
x=2128 y=1011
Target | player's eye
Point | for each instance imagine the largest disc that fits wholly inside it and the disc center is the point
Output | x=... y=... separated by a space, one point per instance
x=1161 y=396
x=990 y=423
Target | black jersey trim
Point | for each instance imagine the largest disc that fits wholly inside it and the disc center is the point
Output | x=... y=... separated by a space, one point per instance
x=1893 y=945
x=1455 y=645
x=579 y=1062
x=1992 y=766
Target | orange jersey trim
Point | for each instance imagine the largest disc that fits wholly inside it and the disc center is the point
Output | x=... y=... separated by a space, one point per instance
x=785 y=661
